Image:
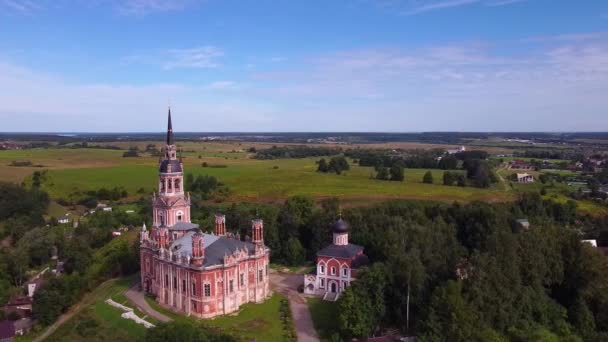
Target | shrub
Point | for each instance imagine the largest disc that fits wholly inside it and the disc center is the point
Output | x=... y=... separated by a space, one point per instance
x=427 y=178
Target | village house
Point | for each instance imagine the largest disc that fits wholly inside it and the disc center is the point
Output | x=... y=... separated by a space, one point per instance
x=523 y=224
x=461 y=149
x=337 y=265
x=65 y=219
x=519 y=164
x=191 y=272
x=594 y=244
x=35 y=283
x=21 y=306
x=525 y=178
x=8 y=145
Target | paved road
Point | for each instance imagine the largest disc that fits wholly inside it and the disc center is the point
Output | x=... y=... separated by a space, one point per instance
x=137 y=297
x=287 y=284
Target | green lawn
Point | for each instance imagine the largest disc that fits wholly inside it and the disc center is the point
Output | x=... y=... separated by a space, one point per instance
x=98 y=321
x=254 y=321
x=324 y=315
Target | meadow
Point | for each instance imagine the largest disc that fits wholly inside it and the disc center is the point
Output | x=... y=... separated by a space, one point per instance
x=73 y=170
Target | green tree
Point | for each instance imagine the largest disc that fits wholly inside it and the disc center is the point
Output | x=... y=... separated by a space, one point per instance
x=396 y=173
x=448 y=163
x=482 y=176
x=323 y=167
x=462 y=181
x=295 y=253
x=338 y=164
x=382 y=173
x=450 y=317
x=449 y=178
x=362 y=306
x=428 y=178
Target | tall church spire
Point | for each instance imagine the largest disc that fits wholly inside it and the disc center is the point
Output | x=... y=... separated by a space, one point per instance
x=169 y=130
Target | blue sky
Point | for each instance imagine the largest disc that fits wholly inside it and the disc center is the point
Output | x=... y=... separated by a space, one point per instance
x=359 y=65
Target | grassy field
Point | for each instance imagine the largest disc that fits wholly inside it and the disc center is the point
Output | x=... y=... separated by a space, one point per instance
x=261 y=322
x=324 y=315
x=71 y=170
x=98 y=321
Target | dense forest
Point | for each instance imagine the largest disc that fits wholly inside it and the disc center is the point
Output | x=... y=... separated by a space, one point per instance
x=514 y=284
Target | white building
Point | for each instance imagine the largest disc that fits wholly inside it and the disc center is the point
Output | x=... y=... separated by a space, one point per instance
x=525 y=178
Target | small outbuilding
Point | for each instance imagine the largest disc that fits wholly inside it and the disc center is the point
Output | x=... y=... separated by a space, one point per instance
x=523 y=224
x=525 y=178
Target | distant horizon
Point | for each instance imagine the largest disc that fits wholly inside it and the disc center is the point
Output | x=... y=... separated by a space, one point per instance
x=178 y=133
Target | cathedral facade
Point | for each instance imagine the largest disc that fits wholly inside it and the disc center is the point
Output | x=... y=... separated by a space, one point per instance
x=191 y=272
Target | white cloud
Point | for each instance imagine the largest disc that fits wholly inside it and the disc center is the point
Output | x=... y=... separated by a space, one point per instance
x=414 y=7
x=438 y=5
x=19 y=6
x=502 y=2
x=277 y=59
x=35 y=101
x=223 y=85
x=423 y=89
x=145 y=7
x=199 y=57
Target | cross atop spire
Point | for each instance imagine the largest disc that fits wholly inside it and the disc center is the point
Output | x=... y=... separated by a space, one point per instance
x=169 y=130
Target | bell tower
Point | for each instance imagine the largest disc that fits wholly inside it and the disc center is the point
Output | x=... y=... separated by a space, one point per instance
x=172 y=205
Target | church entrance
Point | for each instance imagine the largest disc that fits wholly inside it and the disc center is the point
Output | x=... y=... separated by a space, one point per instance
x=333 y=287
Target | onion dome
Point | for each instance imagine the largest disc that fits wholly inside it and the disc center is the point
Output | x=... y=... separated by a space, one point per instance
x=340 y=226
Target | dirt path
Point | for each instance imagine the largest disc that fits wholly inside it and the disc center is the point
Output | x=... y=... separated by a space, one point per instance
x=137 y=297
x=287 y=284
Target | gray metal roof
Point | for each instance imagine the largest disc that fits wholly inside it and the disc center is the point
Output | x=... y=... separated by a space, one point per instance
x=176 y=166
x=183 y=226
x=216 y=247
x=344 y=251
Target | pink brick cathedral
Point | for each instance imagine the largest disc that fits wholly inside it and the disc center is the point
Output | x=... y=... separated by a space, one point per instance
x=191 y=272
